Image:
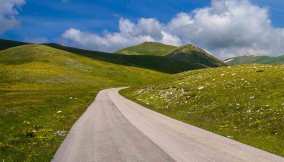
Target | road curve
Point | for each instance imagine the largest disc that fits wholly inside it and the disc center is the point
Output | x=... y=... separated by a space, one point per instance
x=115 y=129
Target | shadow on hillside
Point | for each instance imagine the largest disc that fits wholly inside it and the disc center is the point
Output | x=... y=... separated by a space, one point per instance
x=5 y=44
x=157 y=63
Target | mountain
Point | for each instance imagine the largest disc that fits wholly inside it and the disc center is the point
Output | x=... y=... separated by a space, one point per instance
x=5 y=44
x=164 y=64
x=43 y=92
x=242 y=102
x=255 y=60
x=148 y=48
x=194 y=55
x=178 y=60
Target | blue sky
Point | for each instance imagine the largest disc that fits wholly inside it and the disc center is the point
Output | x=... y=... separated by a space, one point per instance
x=47 y=20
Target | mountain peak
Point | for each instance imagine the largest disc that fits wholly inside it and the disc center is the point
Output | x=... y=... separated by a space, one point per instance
x=192 y=53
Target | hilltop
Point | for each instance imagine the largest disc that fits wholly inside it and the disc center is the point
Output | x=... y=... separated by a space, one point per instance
x=194 y=55
x=255 y=60
x=148 y=48
x=166 y=64
x=157 y=63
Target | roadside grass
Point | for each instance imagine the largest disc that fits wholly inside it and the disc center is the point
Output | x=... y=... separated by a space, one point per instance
x=244 y=103
x=34 y=123
x=44 y=90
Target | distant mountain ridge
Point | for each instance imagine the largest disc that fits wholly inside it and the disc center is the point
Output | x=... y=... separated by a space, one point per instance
x=172 y=60
x=251 y=59
x=189 y=54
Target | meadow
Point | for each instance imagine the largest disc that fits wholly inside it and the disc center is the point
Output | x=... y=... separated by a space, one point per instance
x=45 y=88
x=43 y=91
x=244 y=103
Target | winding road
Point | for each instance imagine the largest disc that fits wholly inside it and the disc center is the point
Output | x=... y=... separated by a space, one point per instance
x=115 y=129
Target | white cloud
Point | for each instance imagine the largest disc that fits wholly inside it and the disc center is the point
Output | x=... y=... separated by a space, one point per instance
x=130 y=33
x=227 y=28
x=8 y=12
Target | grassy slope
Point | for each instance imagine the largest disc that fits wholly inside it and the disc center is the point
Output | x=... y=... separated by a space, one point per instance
x=44 y=90
x=148 y=48
x=157 y=63
x=5 y=44
x=256 y=60
x=149 y=55
x=245 y=103
x=191 y=54
x=188 y=54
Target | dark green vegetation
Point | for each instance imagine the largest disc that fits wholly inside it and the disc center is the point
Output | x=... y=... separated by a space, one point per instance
x=148 y=48
x=255 y=60
x=43 y=91
x=244 y=102
x=5 y=44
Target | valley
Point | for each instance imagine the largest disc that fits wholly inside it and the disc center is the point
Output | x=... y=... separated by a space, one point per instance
x=45 y=88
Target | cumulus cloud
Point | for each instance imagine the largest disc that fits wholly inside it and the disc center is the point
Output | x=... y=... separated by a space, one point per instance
x=8 y=13
x=226 y=28
x=129 y=34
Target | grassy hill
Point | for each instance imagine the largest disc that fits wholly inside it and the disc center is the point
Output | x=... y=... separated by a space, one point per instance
x=148 y=48
x=255 y=60
x=244 y=102
x=5 y=44
x=45 y=88
x=43 y=91
x=193 y=55
x=158 y=63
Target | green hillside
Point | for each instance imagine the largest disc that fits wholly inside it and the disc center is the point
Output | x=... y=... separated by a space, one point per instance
x=244 y=103
x=45 y=88
x=191 y=54
x=5 y=44
x=148 y=48
x=255 y=60
x=43 y=91
x=158 y=63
